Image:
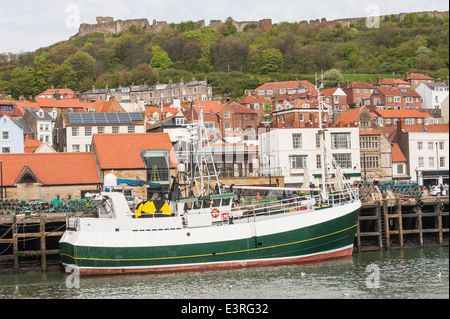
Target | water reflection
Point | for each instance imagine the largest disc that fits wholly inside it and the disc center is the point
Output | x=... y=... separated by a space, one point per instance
x=409 y=273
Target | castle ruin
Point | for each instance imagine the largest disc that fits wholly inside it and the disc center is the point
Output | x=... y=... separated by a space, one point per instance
x=109 y=27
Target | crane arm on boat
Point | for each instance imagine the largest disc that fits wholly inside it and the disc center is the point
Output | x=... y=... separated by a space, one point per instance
x=131 y=182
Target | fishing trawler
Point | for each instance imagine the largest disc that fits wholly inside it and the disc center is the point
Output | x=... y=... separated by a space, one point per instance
x=207 y=230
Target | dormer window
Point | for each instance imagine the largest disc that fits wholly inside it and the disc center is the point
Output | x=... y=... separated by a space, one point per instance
x=41 y=113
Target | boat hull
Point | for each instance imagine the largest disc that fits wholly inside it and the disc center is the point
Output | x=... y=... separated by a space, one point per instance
x=273 y=242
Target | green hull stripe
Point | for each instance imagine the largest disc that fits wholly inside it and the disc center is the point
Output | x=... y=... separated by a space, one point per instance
x=204 y=255
x=326 y=236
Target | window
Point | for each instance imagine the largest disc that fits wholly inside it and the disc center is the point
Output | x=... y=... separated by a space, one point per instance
x=371 y=162
x=430 y=146
x=368 y=142
x=340 y=140
x=409 y=121
x=87 y=147
x=431 y=161
x=298 y=162
x=75 y=147
x=100 y=129
x=88 y=131
x=420 y=146
x=397 y=99
x=6 y=149
x=343 y=160
x=399 y=168
x=442 y=161
x=441 y=145
x=318 y=161
x=5 y=135
x=317 y=140
x=261 y=92
x=227 y=127
x=297 y=140
x=226 y=114
x=420 y=161
x=75 y=131
x=115 y=129
x=130 y=129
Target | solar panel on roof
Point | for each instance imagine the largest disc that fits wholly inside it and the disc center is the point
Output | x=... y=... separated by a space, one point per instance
x=124 y=118
x=112 y=118
x=75 y=118
x=99 y=118
x=135 y=116
x=88 y=118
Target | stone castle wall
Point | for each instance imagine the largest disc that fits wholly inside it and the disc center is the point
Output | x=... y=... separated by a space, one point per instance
x=108 y=26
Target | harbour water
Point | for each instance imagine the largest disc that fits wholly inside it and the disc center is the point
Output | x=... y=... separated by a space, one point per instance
x=397 y=274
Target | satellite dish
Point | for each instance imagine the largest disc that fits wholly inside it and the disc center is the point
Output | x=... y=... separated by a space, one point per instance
x=110 y=181
x=181 y=168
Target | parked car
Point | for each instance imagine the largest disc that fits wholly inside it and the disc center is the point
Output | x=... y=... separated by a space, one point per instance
x=436 y=190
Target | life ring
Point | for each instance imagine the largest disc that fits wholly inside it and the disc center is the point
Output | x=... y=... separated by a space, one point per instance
x=225 y=216
x=215 y=213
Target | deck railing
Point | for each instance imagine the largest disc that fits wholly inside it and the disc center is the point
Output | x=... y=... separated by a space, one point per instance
x=308 y=202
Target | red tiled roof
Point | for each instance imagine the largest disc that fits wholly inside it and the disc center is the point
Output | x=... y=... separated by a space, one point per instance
x=392 y=91
x=51 y=168
x=31 y=144
x=252 y=99
x=359 y=85
x=394 y=81
x=214 y=106
x=69 y=92
x=285 y=85
x=418 y=76
x=401 y=113
x=122 y=151
x=349 y=116
x=63 y=103
x=438 y=128
x=397 y=154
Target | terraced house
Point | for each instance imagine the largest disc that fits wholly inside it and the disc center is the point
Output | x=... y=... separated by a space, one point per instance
x=155 y=94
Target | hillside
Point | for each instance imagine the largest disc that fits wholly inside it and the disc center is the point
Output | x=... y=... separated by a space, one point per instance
x=232 y=59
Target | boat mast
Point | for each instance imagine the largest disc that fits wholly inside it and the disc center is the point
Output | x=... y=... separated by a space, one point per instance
x=322 y=140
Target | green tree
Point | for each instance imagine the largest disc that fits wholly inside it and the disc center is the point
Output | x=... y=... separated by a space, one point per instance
x=271 y=61
x=64 y=75
x=23 y=82
x=332 y=78
x=254 y=58
x=160 y=59
x=143 y=73
x=83 y=64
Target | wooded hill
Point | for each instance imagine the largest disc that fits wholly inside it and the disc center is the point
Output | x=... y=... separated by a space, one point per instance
x=232 y=61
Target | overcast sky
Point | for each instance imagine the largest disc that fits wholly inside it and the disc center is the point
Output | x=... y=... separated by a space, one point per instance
x=26 y=25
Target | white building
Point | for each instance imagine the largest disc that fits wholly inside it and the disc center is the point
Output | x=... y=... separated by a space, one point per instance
x=433 y=94
x=73 y=131
x=287 y=152
x=426 y=148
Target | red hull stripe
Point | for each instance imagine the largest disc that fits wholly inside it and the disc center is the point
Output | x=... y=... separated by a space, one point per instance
x=346 y=252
